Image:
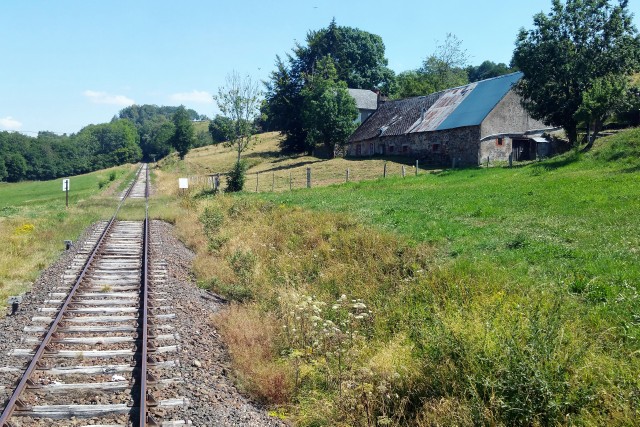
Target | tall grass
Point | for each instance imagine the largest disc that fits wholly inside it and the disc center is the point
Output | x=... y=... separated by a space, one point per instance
x=34 y=222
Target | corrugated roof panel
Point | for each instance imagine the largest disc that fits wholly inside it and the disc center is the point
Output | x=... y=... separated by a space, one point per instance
x=478 y=104
x=442 y=108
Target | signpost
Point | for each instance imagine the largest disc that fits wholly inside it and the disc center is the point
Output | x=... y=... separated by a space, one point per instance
x=65 y=188
x=183 y=184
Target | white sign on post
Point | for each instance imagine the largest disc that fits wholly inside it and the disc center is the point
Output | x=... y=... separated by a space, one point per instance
x=183 y=183
x=65 y=184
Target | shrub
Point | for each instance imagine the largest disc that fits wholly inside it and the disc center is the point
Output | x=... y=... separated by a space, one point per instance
x=236 y=177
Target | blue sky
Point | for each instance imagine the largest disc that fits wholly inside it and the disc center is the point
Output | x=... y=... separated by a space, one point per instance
x=69 y=63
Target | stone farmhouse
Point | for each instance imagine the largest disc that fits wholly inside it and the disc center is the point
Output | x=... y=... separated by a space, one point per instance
x=460 y=126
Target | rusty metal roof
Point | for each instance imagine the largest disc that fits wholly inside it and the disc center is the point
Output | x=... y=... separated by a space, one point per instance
x=452 y=108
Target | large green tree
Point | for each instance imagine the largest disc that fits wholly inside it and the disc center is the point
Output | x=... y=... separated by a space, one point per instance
x=183 y=134
x=358 y=56
x=329 y=112
x=572 y=56
x=359 y=62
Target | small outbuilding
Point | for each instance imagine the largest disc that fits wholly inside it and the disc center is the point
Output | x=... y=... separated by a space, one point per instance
x=462 y=126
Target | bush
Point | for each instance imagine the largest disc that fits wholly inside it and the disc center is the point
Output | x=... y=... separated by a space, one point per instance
x=236 y=177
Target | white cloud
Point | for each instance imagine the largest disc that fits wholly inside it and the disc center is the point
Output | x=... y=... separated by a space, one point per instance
x=200 y=97
x=105 y=98
x=9 y=123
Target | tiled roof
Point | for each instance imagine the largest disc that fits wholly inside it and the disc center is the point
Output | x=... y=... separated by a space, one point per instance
x=365 y=99
x=452 y=108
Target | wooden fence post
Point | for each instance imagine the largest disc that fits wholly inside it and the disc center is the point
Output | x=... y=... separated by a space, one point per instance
x=384 y=171
x=308 y=177
x=403 y=171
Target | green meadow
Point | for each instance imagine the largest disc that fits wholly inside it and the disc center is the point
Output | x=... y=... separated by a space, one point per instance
x=499 y=296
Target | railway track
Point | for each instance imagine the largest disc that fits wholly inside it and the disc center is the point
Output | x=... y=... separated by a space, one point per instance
x=101 y=349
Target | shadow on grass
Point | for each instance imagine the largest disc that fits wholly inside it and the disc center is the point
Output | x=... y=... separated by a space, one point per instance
x=292 y=166
x=264 y=154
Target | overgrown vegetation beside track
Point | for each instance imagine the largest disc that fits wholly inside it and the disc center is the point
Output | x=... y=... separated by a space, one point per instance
x=34 y=221
x=479 y=296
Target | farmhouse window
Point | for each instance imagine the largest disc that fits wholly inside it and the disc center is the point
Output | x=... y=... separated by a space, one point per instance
x=499 y=142
x=391 y=148
x=358 y=149
x=435 y=148
x=405 y=148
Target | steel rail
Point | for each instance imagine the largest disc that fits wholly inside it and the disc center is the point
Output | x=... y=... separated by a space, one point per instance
x=33 y=364
x=145 y=308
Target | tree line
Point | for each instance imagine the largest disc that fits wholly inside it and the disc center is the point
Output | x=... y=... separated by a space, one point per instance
x=138 y=132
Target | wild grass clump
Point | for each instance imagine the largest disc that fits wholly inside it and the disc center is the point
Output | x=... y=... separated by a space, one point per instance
x=252 y=339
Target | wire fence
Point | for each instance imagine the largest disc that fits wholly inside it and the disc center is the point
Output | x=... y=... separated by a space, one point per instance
x=291 y=179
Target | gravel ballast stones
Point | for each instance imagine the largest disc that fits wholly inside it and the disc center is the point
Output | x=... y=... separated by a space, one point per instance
x=203 y=360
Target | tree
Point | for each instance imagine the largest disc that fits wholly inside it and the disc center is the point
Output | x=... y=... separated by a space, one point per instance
x=359 y=62
x=358 y=56
x=329 y=112
x=16 y=167
x=571 y=54
x=283 y=105
x=217 y=128
x=443 y=69
x=487 y=70
x=182 y=138
x=3 y=170
x=238 y=101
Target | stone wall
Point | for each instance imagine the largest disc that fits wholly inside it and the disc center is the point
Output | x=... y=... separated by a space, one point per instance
x=509 y=117
x=438 y=148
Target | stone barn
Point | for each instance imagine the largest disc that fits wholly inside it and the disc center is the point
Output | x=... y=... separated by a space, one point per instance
x=462 y=125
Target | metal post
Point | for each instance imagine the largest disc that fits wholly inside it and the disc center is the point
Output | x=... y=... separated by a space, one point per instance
x=487 y=161
x=257 y=173
x=273 y=182
x=511 y=158
x=67 y=195
x=308 y=177
x=347 y=174
x=403 y=171
x=290 y=181
x=384 y=171
x=417 y=168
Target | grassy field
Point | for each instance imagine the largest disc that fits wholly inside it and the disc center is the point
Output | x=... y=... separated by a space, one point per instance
x=471 y=297
x=34 y=221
